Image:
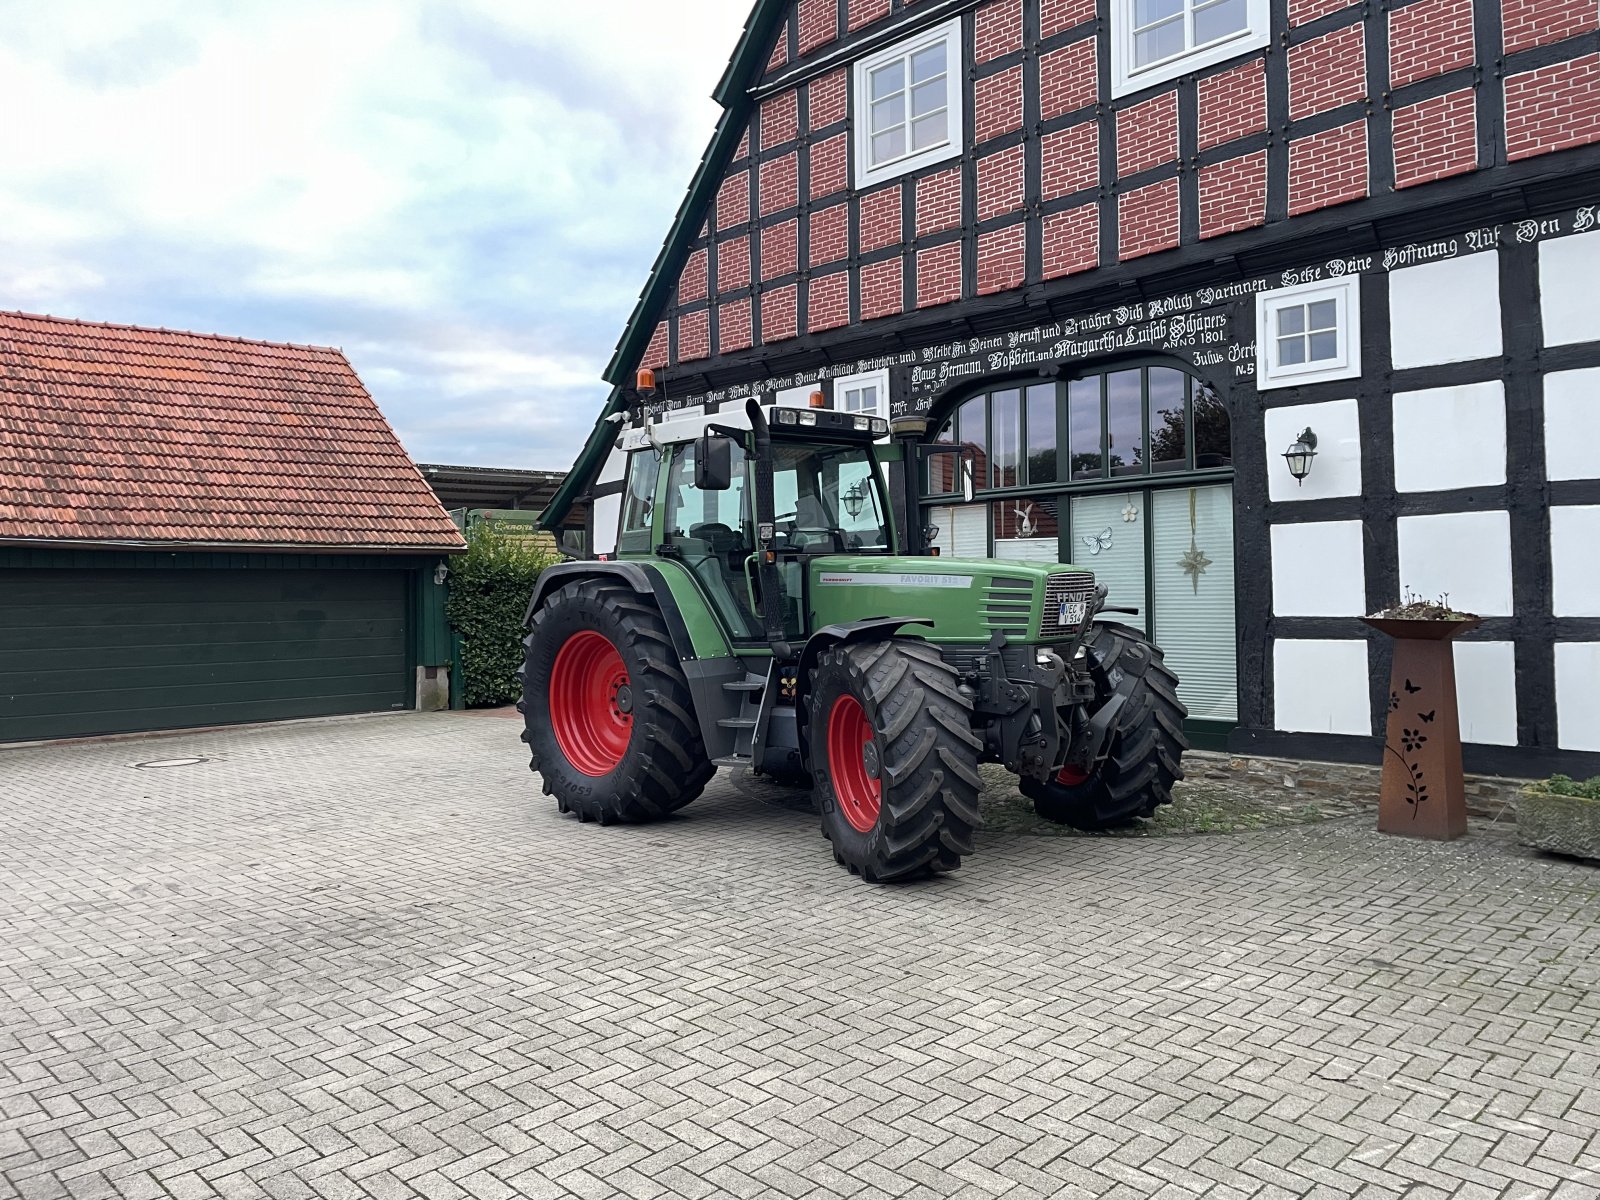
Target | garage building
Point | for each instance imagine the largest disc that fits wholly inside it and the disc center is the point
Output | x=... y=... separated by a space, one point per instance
x=200 y=530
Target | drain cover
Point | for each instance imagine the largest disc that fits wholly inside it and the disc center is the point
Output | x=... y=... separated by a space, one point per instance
x=157 y=763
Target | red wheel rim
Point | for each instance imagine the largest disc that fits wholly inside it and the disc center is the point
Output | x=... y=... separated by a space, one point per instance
x=849 y=736
x=591 y=703
x=1071 y=776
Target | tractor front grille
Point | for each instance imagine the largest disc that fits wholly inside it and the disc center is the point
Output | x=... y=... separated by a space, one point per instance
x=1064 y=585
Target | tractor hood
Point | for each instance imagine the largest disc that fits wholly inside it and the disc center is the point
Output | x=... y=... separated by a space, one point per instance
x=967 y=599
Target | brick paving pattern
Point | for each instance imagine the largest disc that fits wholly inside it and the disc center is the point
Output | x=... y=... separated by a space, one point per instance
x=367 y=959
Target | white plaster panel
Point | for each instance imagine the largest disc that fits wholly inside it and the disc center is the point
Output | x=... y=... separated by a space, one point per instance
x=1486 y=689
x=1317 y=570
x=1571 y=416
x=1444 y=312
x=1575 y=559
x=1568 y=269
x=1465 y=555
x=607 y=514
x=1321 y=686
x=1336 y=470
x=1578 y=695
x=1451 y=437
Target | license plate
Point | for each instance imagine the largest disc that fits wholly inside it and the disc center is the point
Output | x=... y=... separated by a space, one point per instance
x=1073 y=612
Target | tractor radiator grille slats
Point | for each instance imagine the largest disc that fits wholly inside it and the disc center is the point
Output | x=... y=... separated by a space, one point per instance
x=1064 y=585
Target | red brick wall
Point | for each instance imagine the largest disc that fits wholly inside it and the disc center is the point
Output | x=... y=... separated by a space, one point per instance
x=1328 y=168
x=1000 y=259
x=733 y=326
x=882 y=289
x=1058 y=15
x=1553 y=108
x=880 y=218
x=1526 y=23
x=1233 y=194
x=998 y=27
x=1000 y=182
x=830 y=234
x=828 y=301
x=938 y=274
x=829 y=98
x=780 y=119
x=819 y=24
x=997 y=104
x=830 y=165
x=1147 y=134
x=780 y=249
x=733 y=200
x=694 y=336
x=1435 y=138
x=939 y=201
x=692 y=279
x=733 y=264
x=1069 y=160
x=1327 y=71
x=1071 y=241
x=1147 y=219
x=778 y=315
x=1429 y=38
x=780 y=183
x=1068 y=79
x=864 y=12
x=1232 y=104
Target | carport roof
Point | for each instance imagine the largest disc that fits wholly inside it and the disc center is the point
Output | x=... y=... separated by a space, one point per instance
x=114 y=434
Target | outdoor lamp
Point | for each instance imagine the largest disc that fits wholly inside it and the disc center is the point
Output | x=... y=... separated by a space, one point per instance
x=854 y=499
x=1299 y=455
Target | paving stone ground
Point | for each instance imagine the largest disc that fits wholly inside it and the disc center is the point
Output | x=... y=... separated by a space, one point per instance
x=368 y=959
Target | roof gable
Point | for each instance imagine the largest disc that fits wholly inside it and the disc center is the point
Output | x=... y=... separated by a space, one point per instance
x=113 y=433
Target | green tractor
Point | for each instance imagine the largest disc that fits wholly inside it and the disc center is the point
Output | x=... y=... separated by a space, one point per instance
x=759 y=613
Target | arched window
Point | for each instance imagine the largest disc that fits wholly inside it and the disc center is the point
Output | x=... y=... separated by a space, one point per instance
x=1126 y=472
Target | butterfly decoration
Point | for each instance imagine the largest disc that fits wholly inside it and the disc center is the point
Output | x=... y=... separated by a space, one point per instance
x=1098 y=541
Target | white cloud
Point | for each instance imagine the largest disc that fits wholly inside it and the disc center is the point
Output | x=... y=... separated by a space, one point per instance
x=467 y=196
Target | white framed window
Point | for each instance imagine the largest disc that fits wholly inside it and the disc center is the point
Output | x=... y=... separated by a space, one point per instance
x=908 y=104
x=1157 y=40
x=866 y=393
x=1309 y=333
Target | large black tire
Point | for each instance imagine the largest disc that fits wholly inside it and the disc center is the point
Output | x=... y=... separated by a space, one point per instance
x=600 y=762
x=894 y=758
x=1146 y=751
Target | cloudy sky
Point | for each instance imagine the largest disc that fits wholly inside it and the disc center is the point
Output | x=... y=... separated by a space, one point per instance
x=464 y=195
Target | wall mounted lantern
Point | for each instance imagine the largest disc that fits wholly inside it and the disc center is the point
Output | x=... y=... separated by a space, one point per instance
x=1299 y=455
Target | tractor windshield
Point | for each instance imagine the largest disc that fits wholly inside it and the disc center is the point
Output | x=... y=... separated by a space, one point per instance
x=828 y=499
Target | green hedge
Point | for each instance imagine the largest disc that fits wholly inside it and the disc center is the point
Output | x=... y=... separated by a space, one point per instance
x=489 y=589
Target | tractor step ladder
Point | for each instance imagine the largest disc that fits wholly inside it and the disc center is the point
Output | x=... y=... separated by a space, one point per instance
x=750 y=690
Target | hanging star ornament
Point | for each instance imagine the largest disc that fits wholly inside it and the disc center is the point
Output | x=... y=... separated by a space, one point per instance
x=1194 y=564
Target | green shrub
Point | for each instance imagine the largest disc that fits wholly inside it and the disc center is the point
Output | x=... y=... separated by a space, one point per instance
x=1562 y=785
x=489 y=589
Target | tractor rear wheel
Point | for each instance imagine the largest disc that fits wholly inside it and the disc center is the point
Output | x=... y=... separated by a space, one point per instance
x=1146 y=747
x=608 y=714
x=894 y=759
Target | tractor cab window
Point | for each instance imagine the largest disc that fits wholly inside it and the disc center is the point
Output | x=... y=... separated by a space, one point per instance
x=827 y=499
x=710 y=531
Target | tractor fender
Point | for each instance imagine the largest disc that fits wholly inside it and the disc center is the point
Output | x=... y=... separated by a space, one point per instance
x=645 y=583
x=871 y=629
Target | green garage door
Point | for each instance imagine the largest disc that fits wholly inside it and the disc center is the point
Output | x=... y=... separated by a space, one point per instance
x=111 y=651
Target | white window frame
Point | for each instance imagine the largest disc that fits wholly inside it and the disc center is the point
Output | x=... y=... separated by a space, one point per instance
x=1346 y=295
x=955 y=105
x=1126 y=77
x=877 y=380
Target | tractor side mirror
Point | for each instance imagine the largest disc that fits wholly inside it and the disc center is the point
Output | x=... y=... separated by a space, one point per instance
x=713 y=463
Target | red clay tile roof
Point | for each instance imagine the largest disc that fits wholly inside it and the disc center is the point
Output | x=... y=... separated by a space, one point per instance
x=115 y=433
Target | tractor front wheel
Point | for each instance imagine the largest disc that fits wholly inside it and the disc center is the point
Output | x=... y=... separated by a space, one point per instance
x=894 y=759
x=1146 y=747
x=609 y=718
